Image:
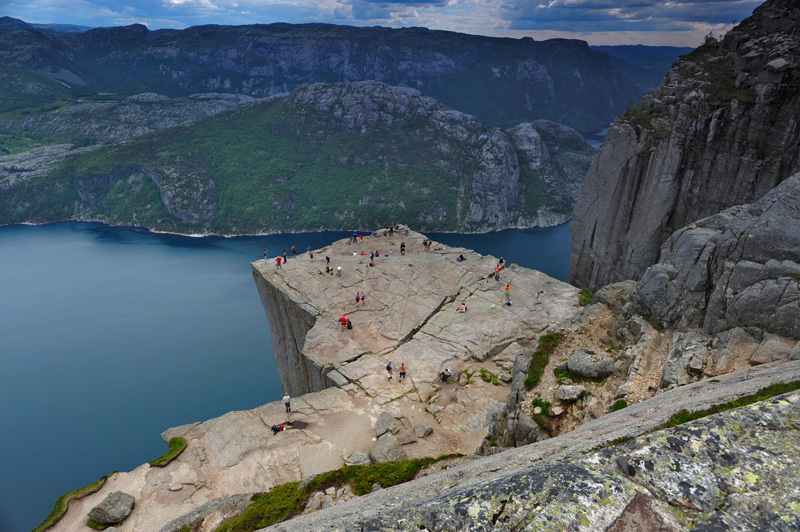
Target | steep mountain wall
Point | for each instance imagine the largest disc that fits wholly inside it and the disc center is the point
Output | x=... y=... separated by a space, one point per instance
x=721 y=130
x=501 y=81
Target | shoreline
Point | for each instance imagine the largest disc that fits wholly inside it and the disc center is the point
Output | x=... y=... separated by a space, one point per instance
x=272 y=233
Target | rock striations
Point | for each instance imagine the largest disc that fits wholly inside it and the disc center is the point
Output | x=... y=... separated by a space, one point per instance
x=737 y=268
x=721 y=130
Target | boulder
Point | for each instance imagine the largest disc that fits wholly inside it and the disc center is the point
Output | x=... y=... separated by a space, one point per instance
x=114 y=509
x=386 y=422
x=570 y=393
x=386 y=449
x=421 y=430
x=357 y=458
x=586 y=363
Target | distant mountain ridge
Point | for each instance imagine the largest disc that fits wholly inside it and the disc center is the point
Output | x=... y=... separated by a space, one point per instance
x=500 y=81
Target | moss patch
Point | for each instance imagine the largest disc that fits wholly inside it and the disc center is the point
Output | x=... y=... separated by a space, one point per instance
x=288 y=500
x=547 y=343
x=60 y=506
x=176 y=447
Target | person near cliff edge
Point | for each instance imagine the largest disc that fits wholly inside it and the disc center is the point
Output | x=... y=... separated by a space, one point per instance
x=287 y=402
x=265 y=255
x=285 y=260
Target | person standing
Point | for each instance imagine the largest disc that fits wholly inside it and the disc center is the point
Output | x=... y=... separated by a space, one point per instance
x=285 y=260
x=343 y=322
x=278 y=262
x=294 y=251
x=338 y=271
x=363 y=297
x=402 y=248
x=358 y=297
x=327 y=260
x=389 y=368
x=286 y=402
x=508 y=293
x=265 y=255
x=402 y=371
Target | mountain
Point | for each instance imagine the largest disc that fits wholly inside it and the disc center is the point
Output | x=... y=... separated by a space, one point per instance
x=721 y=130
x=644 y=65
x=334 y=156
x=500 y=81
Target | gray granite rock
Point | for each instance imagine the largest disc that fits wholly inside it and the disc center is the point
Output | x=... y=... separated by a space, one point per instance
x=386 y=449
x=358 y=458
x=421 y=430
x=570 y=393
x=736 y=268
x=587 y=363
x=114 y=509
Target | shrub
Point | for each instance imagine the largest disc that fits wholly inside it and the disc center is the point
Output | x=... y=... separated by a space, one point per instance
x=619 y=404
x=585 y=297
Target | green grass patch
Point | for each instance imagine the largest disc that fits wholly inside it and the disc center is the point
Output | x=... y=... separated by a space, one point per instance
x=96 y=525
x=60 y=506
x=619 y=404
x=561 y=375
x=547 y=343
x=541 y=418
x=287 y=500
x=684 y=416
x=485 y=375
x=585 y=297
x=176 y=447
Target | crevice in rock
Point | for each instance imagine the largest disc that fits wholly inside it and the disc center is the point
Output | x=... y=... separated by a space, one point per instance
x=496 y=516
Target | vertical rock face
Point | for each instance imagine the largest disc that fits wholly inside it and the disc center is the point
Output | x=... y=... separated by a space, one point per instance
x=721 y=130
x=738 y=267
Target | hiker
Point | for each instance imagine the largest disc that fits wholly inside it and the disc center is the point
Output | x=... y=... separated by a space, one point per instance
x=348 y=325
x=327 y=260
x=402 y=372
x=338 y=271
x=343 y=322
x=497 y=273
x=446 y=375
x=462 y=308
x=311 y=256
x=371 y=256
x=358 y=297
x=460 y=257
x=286 y=402
x=363 y=297
x=265 y=255
x=508 y=293
x=278 y=262
x=279 y=428
x=294 y=251
x=389 y=368
x=285 y=260
x=402 y=248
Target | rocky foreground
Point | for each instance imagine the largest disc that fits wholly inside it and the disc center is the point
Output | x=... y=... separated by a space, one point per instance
x=347 y=411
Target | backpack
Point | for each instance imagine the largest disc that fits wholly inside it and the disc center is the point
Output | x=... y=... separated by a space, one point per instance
x=349 y=325
x=389 y=366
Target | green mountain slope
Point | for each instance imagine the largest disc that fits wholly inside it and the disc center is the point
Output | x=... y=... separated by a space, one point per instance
x=326 y=156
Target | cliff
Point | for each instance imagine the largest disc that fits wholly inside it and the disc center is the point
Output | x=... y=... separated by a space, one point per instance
x=719 y=131
x=408 y=314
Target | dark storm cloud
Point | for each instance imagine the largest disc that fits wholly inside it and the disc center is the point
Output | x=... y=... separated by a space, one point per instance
x=621 y=15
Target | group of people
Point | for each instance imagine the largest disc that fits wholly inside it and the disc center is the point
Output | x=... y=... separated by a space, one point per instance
x=401 y=370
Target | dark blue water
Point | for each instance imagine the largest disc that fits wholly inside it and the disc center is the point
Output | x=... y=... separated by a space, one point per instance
x=108 y=336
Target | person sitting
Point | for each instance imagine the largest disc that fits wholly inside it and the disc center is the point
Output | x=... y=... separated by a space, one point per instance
x=445 y=375
x=460 y=257
x=462 y=308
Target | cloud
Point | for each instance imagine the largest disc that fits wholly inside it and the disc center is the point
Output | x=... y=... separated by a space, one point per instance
x=631 y=15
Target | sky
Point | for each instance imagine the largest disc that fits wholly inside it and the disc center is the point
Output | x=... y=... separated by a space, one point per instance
x=649 y=22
